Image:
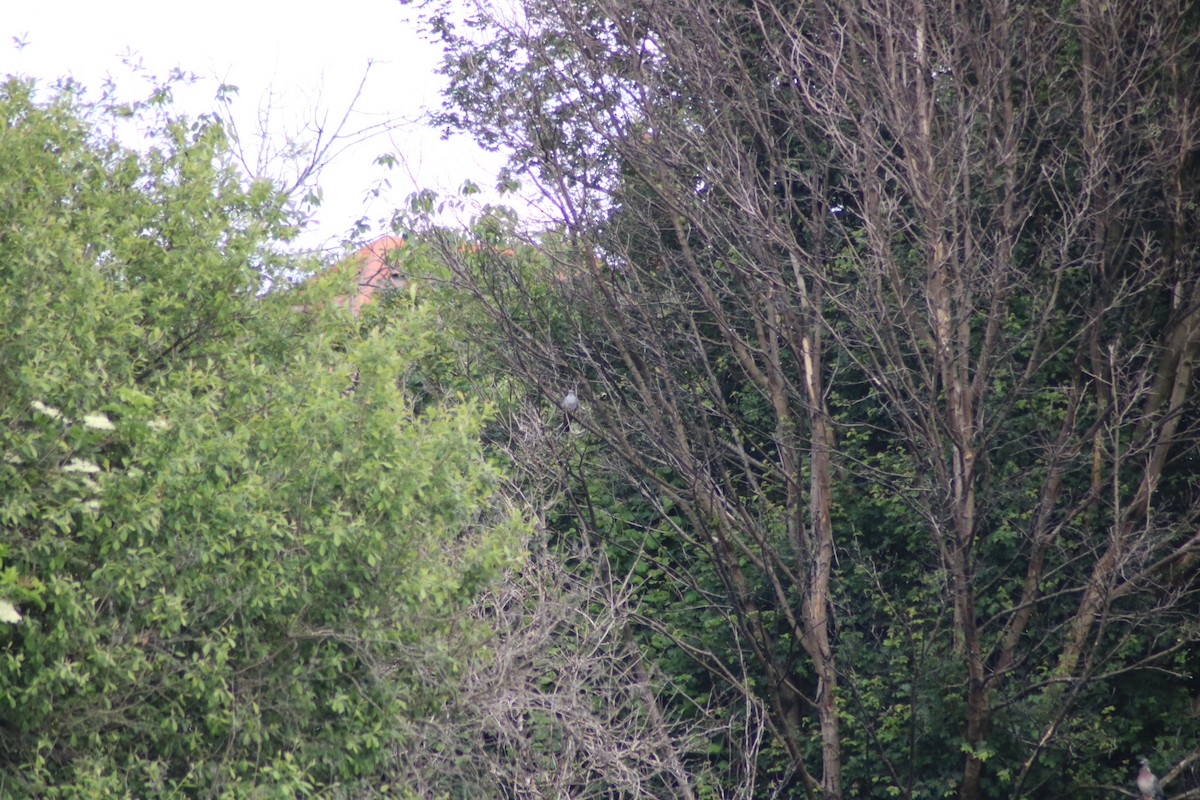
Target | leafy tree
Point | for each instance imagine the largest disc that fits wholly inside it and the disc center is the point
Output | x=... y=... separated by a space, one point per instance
x=241 y=553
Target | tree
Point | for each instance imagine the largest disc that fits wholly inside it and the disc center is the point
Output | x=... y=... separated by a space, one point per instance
x=889 y=313
x=564 y=700
x=238 y=568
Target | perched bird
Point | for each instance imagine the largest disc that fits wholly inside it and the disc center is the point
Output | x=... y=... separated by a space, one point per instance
x=569 y=404
x=1147 y=783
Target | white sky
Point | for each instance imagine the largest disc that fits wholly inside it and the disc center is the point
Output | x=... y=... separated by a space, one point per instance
x=308 y=57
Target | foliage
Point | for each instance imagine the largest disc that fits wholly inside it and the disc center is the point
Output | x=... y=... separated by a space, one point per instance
x=238 y=548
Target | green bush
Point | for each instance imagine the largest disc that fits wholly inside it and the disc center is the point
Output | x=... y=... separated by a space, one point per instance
x=236 y=547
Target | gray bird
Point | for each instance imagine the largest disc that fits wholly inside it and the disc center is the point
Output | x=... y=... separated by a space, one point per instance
x=569 y=405
x=1147 y=783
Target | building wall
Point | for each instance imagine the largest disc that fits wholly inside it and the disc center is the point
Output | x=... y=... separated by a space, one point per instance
x=374 y=270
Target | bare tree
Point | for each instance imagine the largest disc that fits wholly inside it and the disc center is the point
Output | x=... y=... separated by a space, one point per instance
x=972 y=219
x=563 y=704
x=293 y=159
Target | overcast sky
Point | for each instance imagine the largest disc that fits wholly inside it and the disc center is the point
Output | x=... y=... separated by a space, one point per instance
x=309 y=58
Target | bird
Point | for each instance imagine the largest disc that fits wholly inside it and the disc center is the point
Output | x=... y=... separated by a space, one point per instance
x=1147 y=783
x=569 y=404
